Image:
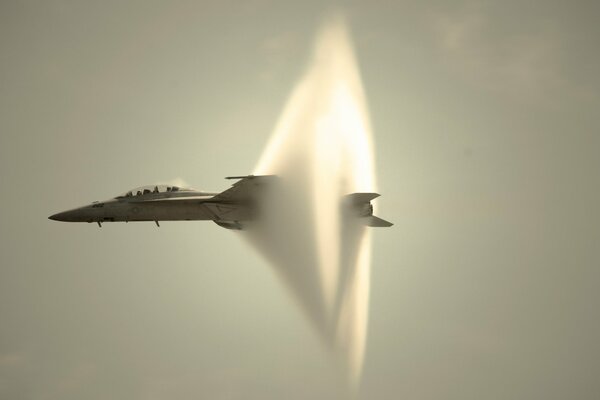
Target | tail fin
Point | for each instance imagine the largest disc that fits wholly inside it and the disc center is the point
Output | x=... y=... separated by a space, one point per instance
x=361 y=198
x=359 y=204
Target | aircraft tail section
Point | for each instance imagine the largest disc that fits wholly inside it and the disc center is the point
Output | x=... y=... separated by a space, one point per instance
x=376 y=222
x=361 y=198
x=359 y=204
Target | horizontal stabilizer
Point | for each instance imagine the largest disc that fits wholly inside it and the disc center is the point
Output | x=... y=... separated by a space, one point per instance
x=183 y=199
x=360 y=198
x=376 y=222
x=239 y=177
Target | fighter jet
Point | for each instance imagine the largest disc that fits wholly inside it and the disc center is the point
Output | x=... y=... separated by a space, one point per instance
x=230 y=209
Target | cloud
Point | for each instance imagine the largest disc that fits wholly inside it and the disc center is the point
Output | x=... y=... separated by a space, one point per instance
x=321 y=150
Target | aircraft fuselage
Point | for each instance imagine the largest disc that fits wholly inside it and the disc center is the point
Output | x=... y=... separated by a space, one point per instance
x=120 y=210
x=230 y=209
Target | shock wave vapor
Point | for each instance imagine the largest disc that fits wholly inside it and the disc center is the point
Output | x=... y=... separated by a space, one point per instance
x=307 y=207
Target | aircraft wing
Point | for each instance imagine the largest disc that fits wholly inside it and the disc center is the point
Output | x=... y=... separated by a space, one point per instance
x=247 y=188
x=183 y=199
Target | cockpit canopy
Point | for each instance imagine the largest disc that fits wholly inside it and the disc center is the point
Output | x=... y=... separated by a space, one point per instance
x=142 y=190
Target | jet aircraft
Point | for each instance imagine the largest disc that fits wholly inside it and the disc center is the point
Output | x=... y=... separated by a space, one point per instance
x=230 y=209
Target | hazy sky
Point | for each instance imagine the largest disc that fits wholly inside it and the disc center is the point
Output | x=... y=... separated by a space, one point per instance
x=486 y=124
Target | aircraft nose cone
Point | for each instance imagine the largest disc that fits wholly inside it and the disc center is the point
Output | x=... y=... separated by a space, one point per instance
x=66 y=216
x=57 y=217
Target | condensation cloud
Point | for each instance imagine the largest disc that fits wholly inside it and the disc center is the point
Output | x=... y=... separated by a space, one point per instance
x=321 y=149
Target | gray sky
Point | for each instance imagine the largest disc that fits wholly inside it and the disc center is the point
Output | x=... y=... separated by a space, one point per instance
x=486 y=124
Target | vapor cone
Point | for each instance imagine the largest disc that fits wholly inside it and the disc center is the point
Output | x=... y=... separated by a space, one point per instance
x=321 y=150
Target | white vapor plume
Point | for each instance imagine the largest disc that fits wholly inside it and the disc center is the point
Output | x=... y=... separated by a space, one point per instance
x=321 y=150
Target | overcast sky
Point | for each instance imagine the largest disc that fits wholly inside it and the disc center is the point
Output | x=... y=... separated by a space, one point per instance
x=486 y=123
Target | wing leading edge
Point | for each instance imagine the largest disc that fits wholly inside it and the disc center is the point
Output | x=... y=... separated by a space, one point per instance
x=246 y=189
